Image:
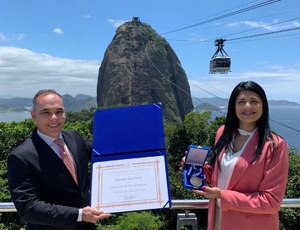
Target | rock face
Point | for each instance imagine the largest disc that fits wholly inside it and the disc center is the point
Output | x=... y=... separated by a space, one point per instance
x=138 y=67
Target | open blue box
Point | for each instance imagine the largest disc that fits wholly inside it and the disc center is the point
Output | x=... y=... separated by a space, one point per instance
x=193 y=173
x=129 y=163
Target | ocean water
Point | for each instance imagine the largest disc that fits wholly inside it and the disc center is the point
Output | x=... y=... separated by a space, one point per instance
x=284 y=120
x=14 y=116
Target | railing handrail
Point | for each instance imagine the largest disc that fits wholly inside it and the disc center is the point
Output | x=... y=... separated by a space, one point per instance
x=203 y=203
x=176 y=204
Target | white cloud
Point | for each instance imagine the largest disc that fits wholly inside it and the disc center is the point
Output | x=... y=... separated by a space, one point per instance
x=279 y=82
x=232 y=24
x=3 y=38
x=275 y=25
x=87 y=16
x=57 y=31
x=116 y=23
x=253 y=24
x=12 y=38
x=18 y=37
x=23 y=73
x=196 y=40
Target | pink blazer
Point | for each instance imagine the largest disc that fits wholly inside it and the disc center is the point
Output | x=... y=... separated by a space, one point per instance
x=255 y=190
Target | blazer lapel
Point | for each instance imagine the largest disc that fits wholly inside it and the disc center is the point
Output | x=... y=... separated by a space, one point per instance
x=244 y=161
x=46 y=151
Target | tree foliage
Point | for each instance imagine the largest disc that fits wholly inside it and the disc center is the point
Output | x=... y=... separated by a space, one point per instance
x=290 y=217
x=84 y=115
x=197 y=128
x=136 y=221
x=11 y=135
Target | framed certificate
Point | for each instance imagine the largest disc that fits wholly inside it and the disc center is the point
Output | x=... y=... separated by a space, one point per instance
x=129 y=164
x=130 y=184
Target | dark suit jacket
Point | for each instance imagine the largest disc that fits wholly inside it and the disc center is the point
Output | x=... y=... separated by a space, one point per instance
x=42 y=189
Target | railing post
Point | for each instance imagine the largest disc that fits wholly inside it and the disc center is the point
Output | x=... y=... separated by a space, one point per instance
x=187 y=218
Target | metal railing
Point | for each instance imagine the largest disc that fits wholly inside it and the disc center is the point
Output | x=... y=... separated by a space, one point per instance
x=203 y=203
x=176 y=204
x=183 y=219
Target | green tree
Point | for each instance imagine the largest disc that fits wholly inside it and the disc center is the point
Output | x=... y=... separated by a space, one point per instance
x=11 y=135
x=197 y=128
x=290 y=217
x=83 y=115
x=85 y=128
x=144 y=220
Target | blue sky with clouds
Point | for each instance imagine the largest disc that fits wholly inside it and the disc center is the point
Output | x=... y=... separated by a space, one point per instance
x=60 y=44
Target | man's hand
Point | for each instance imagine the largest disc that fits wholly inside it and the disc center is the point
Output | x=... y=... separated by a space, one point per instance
x=209 y=192
x=92 y=215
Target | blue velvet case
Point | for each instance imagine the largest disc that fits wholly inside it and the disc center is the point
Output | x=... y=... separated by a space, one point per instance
x=193 y=173
x=130 y=132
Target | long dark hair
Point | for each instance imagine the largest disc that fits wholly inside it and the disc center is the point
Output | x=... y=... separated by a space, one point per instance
x=232 y=121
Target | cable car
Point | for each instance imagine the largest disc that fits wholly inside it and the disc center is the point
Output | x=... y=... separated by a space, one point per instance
x=220 y=61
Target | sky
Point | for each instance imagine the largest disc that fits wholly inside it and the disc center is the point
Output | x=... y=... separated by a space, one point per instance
x=60 y=44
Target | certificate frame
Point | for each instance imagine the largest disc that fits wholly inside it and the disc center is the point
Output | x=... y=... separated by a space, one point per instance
x=130 y=184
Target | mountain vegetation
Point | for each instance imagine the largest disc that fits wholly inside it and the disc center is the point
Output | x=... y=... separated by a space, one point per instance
x=282 y=103
x=86 y=102
x=72 y=104
x=139 y=66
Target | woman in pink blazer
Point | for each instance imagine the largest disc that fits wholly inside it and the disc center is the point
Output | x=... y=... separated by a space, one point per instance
x=247 y=171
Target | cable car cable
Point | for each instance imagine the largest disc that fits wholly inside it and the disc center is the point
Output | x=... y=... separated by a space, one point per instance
x=277 y=23
x=216 y=14
x=263 y=34
x=279 y=31
x=212 y=106
x=265 y=38
x=266 y=16
x=226 y=15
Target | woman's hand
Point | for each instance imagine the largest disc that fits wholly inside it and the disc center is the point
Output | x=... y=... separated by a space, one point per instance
x=209 y=192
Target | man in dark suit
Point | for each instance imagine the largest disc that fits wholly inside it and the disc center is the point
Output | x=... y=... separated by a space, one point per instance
x=42 y=188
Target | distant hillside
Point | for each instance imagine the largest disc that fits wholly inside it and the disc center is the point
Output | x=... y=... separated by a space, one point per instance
x=16 y=102
x=71 y=104
x=206 y=106
x=82 y=96
x=213 y=101
x=282 y=103
x=81 y=102
x=74 y=105
x=219 y=102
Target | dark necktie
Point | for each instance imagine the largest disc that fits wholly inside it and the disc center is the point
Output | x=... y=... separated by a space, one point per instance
x=66 y=158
